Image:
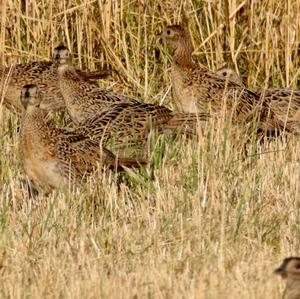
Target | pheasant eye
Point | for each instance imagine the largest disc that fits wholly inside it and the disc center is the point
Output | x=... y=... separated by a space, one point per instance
x=224 y=74
x=168 y=32
x=27 y=94
x=298 y=266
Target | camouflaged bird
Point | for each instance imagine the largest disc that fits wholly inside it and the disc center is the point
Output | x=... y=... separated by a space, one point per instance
x=230 y=74
x=196 y=89
x=41 y=73
x=98 y=111
x=83 y=99
x=129 y=124
x=55 y=158
x=289 y=270
x=284 y=102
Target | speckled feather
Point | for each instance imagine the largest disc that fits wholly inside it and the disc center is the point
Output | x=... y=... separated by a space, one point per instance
x=132 y=122
x=197 y=89
x=41 y=73
x=83 y=99
x=101 y=113
x=284 y=102
x=54 y=157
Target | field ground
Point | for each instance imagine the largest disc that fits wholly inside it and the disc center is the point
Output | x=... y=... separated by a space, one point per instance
x=207 y=223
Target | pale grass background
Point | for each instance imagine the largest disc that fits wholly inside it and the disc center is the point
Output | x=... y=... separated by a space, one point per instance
x=211 y=224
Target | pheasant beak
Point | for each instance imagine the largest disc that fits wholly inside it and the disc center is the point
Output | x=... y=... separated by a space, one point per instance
x=280 y=271
x=60 y=60
x=160 y=36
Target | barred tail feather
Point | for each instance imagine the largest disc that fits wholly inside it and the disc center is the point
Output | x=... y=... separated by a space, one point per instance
x=120 y=163
x=187 y=123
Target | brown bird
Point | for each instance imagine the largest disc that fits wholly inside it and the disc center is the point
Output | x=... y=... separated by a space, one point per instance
x=56 y=158
x=83 y=99
x=290 y=271
x=101 y=113
x=284 y=102
x=230 y=74
x=41 y=73
x=197 y=89
x=129 y=124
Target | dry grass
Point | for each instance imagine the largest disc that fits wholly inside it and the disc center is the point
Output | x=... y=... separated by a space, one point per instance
x=210 y=224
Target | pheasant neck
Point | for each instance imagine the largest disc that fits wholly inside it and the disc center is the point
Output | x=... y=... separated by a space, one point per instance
x=70 y=83
x=33 y=119
x=293 y=277
x=183 y=53
x=66 y=70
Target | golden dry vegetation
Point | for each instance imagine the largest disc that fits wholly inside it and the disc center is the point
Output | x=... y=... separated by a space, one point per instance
x=208 y=222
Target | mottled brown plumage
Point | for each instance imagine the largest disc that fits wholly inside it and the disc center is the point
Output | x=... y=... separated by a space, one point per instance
x=284 y=102
x=196 y=89
x=101 y=114
x=130 y=123
x=56 y=158
x=290 y=271
x=83 y=99
x=41 y=73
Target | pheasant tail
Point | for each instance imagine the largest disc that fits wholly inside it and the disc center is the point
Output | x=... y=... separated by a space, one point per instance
x=187 y=122
x=94 y=75
x=120 y=163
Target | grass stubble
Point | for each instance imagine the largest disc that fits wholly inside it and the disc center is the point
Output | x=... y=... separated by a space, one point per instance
x=207 y=223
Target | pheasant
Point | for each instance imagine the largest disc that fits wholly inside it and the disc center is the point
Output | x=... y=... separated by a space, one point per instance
x=284 y=102
x=95 y=110
x=55 y=158
x=129 y=124
x=41 y=73
x=83 y=99
x=290 y=271
x=197 y=89
x=230 y=74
